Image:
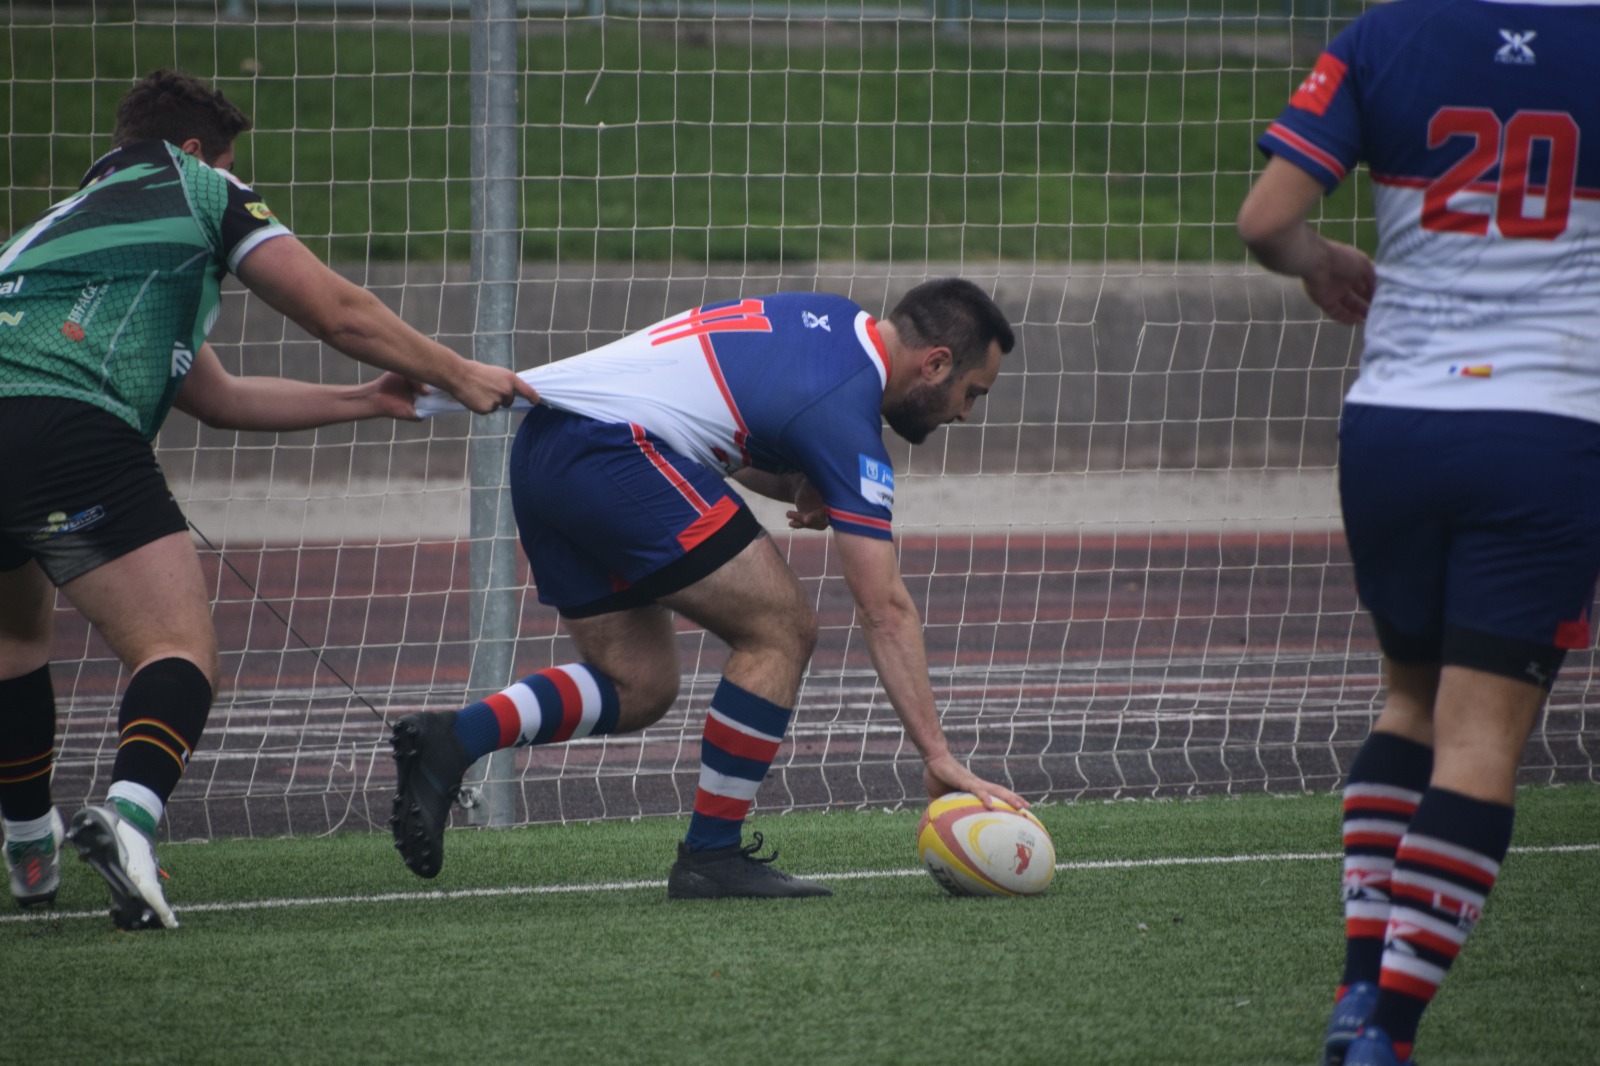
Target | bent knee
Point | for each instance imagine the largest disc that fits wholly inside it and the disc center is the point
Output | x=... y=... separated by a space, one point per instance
x=805 y=631
x=792 y=633
x=643 y=700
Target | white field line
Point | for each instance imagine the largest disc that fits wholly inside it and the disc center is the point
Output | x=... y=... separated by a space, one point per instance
x=627 y=886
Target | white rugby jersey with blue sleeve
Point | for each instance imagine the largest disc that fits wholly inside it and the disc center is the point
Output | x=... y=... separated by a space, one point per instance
x=783 y=383
x=1480 y=124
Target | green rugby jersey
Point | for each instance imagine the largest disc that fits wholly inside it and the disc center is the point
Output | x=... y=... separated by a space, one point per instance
x=106 y=297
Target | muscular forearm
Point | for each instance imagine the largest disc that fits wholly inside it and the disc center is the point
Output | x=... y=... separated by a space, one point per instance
x=894 y=640
x=1296 y=250
x=282 y=404
x=368 y=331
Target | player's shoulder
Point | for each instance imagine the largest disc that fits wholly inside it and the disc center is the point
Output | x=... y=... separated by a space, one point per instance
x=806 y=309
x=1402 y=15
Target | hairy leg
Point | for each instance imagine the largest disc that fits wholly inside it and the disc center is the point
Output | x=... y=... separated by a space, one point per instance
x=638 y=650
x=755 y=604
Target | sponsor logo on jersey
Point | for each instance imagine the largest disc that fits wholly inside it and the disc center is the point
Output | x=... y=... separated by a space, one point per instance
x=877 y=481
x=1516 y=50
x=14 y=286
x=83 y=311
x=1481 y=370
x=1317 y=91
x=260 y=210
x=182 y=359
x=815 y=321
x=58 y=522
x=11 y=318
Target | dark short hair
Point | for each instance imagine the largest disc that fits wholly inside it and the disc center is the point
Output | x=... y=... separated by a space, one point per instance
x=172 y=106
x=954 y=313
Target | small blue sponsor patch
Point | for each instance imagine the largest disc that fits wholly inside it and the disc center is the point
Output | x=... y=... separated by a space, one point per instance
x=877 y=481
x=59 y=523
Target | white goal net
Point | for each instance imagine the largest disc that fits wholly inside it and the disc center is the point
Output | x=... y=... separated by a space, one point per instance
x=1129 y=563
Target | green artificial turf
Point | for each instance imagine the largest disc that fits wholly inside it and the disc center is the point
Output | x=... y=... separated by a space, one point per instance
x=531 y=947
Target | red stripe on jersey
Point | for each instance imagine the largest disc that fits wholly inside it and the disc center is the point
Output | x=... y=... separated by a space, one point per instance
x=741 y=433
x=571 y=704
x=709 y=803
x=668 y=471
x=747 y=324
x=507 y=717
x=858 y=519
x=878 y=347
x=708 y=523
x=1485 y=188
x=745 y=317
x=1305 y=147
x=701 y=314
x=743 y=745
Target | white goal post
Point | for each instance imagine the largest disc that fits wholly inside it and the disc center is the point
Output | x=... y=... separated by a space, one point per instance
x=1129 y=563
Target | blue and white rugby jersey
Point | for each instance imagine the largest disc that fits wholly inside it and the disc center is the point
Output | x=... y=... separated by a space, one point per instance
x=783 y=383
x=1480 y=124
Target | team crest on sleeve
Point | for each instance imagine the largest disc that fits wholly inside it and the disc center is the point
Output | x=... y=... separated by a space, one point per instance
x=1317 y=91
x=877 y=481
x=260 y=210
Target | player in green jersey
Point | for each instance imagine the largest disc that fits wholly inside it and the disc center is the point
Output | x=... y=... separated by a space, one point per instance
x=105 y=303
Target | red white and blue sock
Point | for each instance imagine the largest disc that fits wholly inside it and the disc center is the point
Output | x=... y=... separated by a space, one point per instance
x=550 y=707
x=741 y=739
x=1386 y=783
x=1447 y=862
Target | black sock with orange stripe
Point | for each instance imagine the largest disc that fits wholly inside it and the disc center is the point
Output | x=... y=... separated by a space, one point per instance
x=163 y=713
x=27 y=744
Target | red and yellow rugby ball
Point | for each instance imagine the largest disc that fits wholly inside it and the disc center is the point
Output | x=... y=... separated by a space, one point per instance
x=974 y=851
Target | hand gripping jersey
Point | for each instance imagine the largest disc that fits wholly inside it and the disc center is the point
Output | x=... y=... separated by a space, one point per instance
x=784 y=383
x=1480 y=123
x=108 y=295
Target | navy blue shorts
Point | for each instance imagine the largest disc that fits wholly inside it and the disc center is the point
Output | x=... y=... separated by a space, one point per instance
x=1471 y=530
x=612 y=518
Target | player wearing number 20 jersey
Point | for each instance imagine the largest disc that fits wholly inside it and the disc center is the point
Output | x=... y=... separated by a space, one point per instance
x=1469 y=461
x=1483 y=142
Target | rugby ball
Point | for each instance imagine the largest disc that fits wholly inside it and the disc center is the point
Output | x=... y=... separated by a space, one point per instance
x=974 y=851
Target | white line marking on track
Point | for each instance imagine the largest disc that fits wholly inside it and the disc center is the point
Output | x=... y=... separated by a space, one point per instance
x=626 y=886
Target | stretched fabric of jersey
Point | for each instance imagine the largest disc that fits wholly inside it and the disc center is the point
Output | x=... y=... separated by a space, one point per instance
x=791 y=382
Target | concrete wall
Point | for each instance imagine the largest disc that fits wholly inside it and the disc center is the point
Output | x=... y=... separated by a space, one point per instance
x=1118 y=367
